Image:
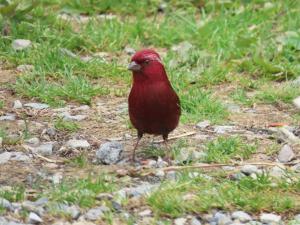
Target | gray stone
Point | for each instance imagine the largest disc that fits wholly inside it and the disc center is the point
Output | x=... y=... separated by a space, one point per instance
x=82 y=108
x=286 y=154
x=297 y=217
x=161 y=163
x=73 y=211
x=277 y=171
x=109 y=152
x=33 y=207
x=36 y=105
x=241 y=216
x=45 y=149
x=223 y=129
x=296 y=102
x=5 y=204
x=19 y=156
x=295 y=168
x=68 y=117
x=33 y=141
x=41 y=202
x=4 y=157
x=195 y=221
x=180 y=221
x=25 y=68
x=238 y=176
x=248 y=169
x=203 y=124
x=8 y=117
x=78 y=144
x=222 y=219
x=116 y=206
x=270 y=218
x=146 y=212
x=104 y=196
x=129 y=51
x=34 y=218
x=51 y=131
x=141 y=190
x=20 y=44
x=96 y=213
x=17 y=104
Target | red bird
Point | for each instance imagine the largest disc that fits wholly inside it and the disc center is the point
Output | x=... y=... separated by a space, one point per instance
x=154 y=106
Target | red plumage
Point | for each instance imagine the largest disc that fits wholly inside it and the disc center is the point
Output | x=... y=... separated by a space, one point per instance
x=154 y=106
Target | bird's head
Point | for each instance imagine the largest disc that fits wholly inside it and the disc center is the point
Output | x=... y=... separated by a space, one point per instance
x=145 y=64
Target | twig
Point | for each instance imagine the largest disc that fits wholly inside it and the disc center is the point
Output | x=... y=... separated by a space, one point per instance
x=177 y=136
x=47 y=159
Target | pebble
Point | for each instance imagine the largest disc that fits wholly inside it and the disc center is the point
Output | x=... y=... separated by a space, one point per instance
x=82 y=108
x=5 y=204
x=143 y=189
x=277 y=172
x=33 y=207
x=222 y=219
x=270 y=218
x=295 y=168
x=34 y=218
x=109 y=152
x=146 y=212
x=33 y=141
x=116 y=206
x=129 y=51
x=17 y=104
x=203 y=124
x=51 y=131
x=104 y=196
x=96 y=213
x=195 y=221
x=223 y=129
x=180 y=221
x=25 y=68
x=68 y=117
x=35 y=105
x=248 y=169
x=8 y=117
x=20 y=44
x=45 y=149
x=4 y=157
x=78 y=144
x=241 y=216
x=73 y=211
x=286 y=154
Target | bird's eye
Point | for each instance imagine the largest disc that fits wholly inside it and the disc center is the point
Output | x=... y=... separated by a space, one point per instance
x=147 y=62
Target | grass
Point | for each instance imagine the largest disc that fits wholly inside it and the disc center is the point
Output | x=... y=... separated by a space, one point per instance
x=16 y=194
x=224 y=149
x=248 y=194
x=67 y=126
x=80 y=192
x=1 y=104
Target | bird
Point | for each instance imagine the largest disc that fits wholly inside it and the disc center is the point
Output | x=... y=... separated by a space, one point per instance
x=153 y=105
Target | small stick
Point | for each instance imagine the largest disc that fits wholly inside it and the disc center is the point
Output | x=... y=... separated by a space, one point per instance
x=177 y=136
x=47 y=159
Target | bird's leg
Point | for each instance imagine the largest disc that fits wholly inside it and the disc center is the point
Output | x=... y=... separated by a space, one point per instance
x=140 y=135
x=168 y=149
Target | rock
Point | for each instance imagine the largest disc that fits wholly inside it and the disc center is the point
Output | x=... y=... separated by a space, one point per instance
x=78 y=144
x=141 y=190
x=5 y=204
x=161 y=163
x=223 y=129
x=45 y=149
x=25 y=68
x=295 y=168
x=116 y=206
x=8 y=117
x=33 y=141
x=35 y=105
x=51 y=131
x=34 y=218
x=189 y=154
x=180 y=221
x=296 y=102
x=286 y=154
x=104 y=196
x=82 y=108
x=203 y=124
x=297 y=218
x=129 y=51
x=234 y=108
x=17 y=104
x=96 y=213
x=73 y=211
x=109 y=152
x=248 y=169
x=277 y=172
x=41 y=201
x=83 y=222
x=162 y=7
x=241 y=216
x=68 y=117
x=19 y=156
x=160 y=173
x=20 y=44
x=237 y=176
x=33 y=207
x=146 y=212
x=270 y=218
x=4 y=157
x=195 y=221
x=222 y=219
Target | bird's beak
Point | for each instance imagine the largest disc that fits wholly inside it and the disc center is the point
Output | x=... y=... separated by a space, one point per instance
x=133 y=66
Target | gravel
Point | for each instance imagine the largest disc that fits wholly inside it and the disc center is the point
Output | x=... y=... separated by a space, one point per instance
x=20 y=44
x=109 y=152
x=286 y=154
